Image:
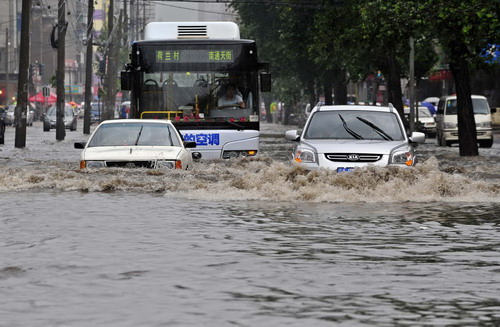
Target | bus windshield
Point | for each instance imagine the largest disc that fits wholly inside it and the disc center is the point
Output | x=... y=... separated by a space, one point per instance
x=198 y=95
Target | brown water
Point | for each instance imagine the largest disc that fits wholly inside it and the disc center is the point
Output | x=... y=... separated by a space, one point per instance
x=247 y=243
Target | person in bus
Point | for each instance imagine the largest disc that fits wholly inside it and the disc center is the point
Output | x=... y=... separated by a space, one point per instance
x=230 y=98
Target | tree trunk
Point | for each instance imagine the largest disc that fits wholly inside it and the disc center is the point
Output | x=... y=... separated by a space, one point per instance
x=327 y=91
x=393 y=81
x=340 y=87
x=467 y=136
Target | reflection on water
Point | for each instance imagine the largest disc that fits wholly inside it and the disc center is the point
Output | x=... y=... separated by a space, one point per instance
x=249 y=242
x=128 y=259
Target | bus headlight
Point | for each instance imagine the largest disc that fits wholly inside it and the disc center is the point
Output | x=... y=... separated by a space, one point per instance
x=236 y=154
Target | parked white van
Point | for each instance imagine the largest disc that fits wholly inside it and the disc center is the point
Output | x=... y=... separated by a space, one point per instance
x=447 y=122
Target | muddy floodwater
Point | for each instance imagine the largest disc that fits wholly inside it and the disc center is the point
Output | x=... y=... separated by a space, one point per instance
x=253 y=242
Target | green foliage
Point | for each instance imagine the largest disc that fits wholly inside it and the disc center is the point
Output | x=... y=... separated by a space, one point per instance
x=305 y=44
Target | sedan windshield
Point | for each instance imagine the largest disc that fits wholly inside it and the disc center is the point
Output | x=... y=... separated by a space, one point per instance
x=140 y=134
x=52 y=111
x=354 y=124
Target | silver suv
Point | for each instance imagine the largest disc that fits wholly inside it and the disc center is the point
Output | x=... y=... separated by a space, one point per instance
x=342 y=138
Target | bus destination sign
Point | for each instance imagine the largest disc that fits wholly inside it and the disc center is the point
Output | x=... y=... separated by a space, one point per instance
x=194 y=56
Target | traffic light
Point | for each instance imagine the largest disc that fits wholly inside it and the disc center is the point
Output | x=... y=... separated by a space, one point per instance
x=41 y=69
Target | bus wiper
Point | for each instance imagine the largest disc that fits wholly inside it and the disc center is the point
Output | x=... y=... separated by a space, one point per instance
x=350 y=131
x=240 y=127
x=377 y=129
x=139 y=135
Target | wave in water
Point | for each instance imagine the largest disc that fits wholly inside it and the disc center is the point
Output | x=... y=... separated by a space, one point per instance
x=263 y=179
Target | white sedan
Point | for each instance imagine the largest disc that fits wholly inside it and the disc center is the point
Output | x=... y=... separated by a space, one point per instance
x=136 y=143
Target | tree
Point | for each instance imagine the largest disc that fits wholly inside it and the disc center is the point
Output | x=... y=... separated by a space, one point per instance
x=464 y=30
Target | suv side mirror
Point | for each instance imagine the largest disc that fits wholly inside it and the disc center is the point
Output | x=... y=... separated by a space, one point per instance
x=126 y=80
x=417 y=137
x=265 y=82
x=292 y=135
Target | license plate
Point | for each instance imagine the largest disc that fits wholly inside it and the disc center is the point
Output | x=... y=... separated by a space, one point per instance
x=341 y=169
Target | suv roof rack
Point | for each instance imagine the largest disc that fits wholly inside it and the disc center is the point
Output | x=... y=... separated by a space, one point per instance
x=391 y=107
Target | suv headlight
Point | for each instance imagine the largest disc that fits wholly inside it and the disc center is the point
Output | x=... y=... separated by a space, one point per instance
x=304 y=156
x=450 y=125
x=403 y=158
x=486 y=124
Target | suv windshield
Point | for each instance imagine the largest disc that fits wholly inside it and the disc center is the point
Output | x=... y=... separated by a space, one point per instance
x=354 y=124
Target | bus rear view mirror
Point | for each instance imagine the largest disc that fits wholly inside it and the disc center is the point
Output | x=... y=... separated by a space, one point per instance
x=126 y=80
x=265 y=82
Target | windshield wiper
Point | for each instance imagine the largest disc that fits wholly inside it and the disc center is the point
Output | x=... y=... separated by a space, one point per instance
x=240 y=127
x=350 y=131
x=170 y=137
x=377 y=129
x=138 y=136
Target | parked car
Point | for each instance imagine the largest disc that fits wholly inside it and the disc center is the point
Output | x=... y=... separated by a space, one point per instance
x=136 y=143
x=50 y=118
x=343 y=138
x=447 y=121
x=425 y=121
x=10 y=115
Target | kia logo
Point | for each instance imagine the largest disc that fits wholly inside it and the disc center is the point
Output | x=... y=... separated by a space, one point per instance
x=353 y=157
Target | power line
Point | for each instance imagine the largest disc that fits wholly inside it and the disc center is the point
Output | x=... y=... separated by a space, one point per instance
x=159 y=2
x=312 y=4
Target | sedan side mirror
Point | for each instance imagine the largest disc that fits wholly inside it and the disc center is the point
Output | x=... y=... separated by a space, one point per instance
x=417 y=137
x=292 y=135
x=189 y=144
x=80 y=145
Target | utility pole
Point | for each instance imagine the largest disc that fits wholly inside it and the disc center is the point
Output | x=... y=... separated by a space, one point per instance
x=110 y=96
x=7 y=82
x=61 y=44
x=88 y=69
x=412 y=85
x=22 y=85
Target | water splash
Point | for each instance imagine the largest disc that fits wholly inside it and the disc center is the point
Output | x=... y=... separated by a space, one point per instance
x=264 y=178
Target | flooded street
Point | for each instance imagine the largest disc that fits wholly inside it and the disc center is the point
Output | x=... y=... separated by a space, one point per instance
x=247 y=242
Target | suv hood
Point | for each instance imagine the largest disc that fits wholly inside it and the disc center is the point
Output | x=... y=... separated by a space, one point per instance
x=354 y=146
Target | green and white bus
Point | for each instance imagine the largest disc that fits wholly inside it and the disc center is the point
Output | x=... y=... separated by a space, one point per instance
x=180 y=71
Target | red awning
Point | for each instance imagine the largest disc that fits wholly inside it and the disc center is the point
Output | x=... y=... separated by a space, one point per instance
x=52 y=98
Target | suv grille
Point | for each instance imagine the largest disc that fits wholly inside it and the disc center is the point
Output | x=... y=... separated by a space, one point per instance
x=131 y=164
x=353 y=157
